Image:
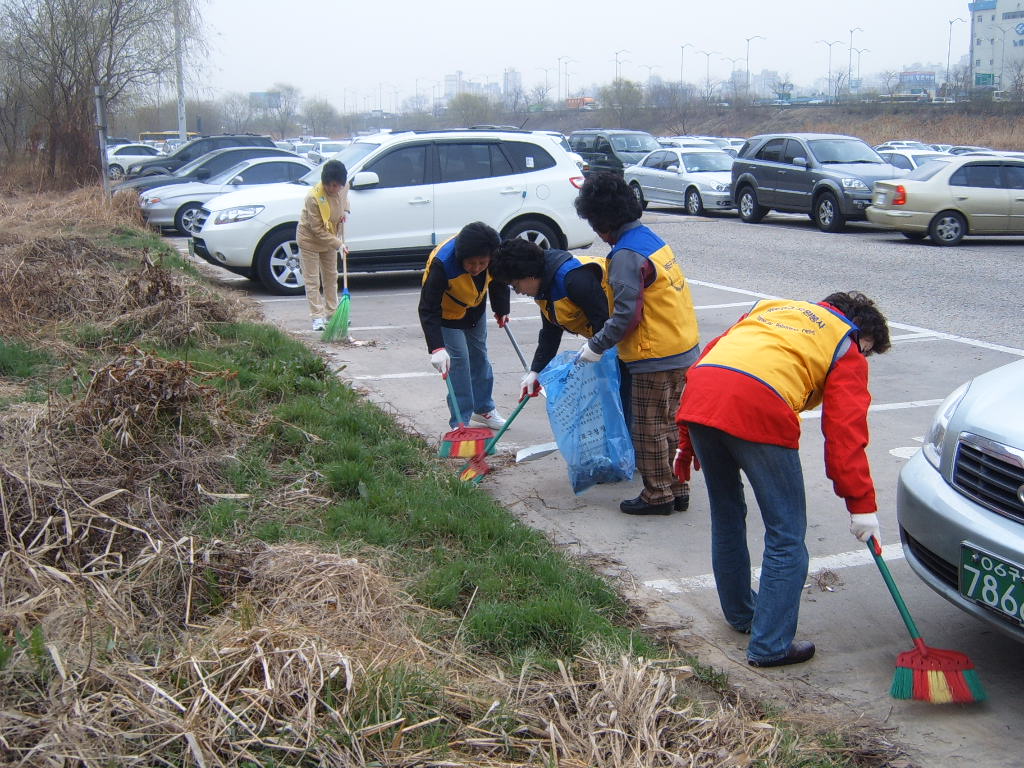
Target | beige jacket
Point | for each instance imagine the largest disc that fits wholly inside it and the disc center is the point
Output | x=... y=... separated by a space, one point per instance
x=312 y=235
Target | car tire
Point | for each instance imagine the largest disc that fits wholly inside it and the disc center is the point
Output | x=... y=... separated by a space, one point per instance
x=827 y=215
x=535 y=231
x=750 y=210
x=639 y=194
x=278 y=265
x=694 y=202
x=115 y=172
x=947 y=228
x=914 y=236
x=185 y=219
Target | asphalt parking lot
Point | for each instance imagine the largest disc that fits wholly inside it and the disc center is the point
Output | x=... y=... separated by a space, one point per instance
x=954 y=313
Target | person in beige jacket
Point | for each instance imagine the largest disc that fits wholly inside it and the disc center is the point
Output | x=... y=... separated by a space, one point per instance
x=321 y=234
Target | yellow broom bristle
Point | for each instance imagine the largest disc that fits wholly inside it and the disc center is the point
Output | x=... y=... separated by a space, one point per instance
x=938 y=688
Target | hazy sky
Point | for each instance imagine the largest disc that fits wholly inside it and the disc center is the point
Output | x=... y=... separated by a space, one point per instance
x=348 y=52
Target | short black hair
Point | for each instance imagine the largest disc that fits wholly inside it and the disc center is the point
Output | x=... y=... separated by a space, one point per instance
x=607 y=202
x=476 y=239
x=334 y=170
x=862 y=312
x=518 y=258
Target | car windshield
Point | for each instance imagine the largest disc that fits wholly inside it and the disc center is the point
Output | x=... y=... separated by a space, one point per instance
x=843 y=151
x=706 y=162
x=929 y=169
x=717 y=141
x=634 y=142
x=300 y=148
x=926 y=156
x=350 y=155
x=331 y=146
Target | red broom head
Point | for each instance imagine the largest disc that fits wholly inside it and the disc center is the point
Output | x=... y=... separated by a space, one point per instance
x=936 y=675
x=475 y=469
x=464 y=442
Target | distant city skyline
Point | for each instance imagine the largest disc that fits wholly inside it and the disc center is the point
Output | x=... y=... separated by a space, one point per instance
x=356 y=57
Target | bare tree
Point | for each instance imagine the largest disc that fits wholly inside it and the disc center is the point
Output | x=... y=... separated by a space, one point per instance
x=624 y=98
x=321 y=118
x=891 y=81
x=65 y=48
x=471 y=109
x=285 y=113
x=237 y=112
x=1016 y=80
x=538 y=96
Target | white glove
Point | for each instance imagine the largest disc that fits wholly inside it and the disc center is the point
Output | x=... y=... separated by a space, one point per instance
x=530 y=385
x=440 y=359
x=864 y=526
x=587 y=355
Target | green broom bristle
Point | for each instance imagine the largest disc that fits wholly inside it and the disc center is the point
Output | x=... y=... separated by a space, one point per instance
x=971 y=678
x=902 y=683
x=338 y=325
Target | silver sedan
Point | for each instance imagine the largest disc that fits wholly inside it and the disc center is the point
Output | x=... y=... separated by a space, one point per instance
x=697 y=179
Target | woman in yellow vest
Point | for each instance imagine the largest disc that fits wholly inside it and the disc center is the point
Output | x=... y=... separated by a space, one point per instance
x=654 y=326
x=320 y=235
x=456 y=284
x=741 y=411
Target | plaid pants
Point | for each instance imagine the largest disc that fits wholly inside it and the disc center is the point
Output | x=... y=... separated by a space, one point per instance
x=655 y=400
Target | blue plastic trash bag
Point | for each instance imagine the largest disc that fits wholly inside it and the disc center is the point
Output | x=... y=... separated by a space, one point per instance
x=586 y=419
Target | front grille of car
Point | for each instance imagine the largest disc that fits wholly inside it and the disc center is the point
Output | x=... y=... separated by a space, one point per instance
x=201 y=218
x=943 y=570
x=988 y=473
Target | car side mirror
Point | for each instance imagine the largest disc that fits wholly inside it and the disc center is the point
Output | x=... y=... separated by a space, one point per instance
x=236 y=181
x=365 y=179
x=673 y=168
x=801 y=161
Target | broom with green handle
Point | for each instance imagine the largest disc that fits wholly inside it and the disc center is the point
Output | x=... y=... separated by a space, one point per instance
x=337 y=328
x=927 y=674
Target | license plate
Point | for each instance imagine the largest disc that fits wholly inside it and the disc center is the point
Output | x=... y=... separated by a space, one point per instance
x=992 y=581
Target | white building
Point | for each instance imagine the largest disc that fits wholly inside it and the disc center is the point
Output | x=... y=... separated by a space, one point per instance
x=997 y=41
x=512 y=82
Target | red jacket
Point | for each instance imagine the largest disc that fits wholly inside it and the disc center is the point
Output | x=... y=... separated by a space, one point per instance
x=746 y=408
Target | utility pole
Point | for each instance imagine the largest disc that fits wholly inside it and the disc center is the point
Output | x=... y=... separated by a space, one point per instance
x=748 y=39
x=179 y=68
x=101 y=135
x=618 y=66
x=828 y=98
x=849 y=66
x=949 y=48
x=707 y=72
x=682 y=62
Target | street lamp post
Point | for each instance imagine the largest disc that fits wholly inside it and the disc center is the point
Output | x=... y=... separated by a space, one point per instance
x=682 y=61
x=558 y=82
x=547 y=85
x=707 y=71
x=859 y=51
x=849 y=66
x=618 y=71
x=949 y=48
x=828 y=99
x=650 y=70
x=747 y=65
x=1002 y=56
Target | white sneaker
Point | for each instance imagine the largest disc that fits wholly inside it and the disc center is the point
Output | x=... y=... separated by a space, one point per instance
x=491 y=419
x=319 y=323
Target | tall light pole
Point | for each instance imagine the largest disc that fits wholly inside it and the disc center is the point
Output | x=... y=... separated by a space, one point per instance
x=558 y=82
x=547 y=85
x=828 y=99
x=859 y=52
x=618 y=71
x=949 y=47
x=755 y=37
x=707 y=71
x=650 y=70
x=565 y=71
x=849 y=66
x=1002 y=56
x=682 y=61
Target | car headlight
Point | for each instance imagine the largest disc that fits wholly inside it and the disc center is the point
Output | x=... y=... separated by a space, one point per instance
x=720 y=187
x=148 y=199
x=231 y=215
x=932 y=448
x=854 y=184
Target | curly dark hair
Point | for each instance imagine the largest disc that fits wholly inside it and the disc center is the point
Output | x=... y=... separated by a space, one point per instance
x=334 y=170
x=476 y=239
x=606 y=202
x=517 y=258
x=862 y=312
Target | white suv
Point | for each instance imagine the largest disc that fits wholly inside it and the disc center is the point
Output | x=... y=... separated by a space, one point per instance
x=409 y=192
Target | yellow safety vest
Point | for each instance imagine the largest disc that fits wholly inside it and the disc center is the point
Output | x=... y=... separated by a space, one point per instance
x=561 y=310
x=789 y=346
x=462 y=293
x=669 y=325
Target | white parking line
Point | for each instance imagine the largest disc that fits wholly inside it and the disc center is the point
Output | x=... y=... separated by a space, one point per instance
x=852 y=559
x=410 y=375
x=882 y=407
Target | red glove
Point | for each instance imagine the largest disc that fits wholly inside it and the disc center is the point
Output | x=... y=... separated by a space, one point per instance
x=500 y=319
x=685 y=457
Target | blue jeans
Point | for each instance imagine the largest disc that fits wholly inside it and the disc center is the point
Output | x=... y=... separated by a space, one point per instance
x=470 y=371
x=777 y=480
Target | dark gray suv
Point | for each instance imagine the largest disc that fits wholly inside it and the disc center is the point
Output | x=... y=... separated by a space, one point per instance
x=825 y=175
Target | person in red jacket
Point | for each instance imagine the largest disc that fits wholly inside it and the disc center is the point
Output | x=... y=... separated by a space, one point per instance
x=740 y=410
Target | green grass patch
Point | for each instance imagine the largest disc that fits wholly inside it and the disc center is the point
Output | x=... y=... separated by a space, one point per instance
x=20 y=361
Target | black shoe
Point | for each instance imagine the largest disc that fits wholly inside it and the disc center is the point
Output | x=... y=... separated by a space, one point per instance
x=799 y=652
x=638 y=506
x=681 y=503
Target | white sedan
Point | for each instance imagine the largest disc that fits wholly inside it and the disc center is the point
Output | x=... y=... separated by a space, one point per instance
x=122 y=156
x=177 y=205
x=698 y=179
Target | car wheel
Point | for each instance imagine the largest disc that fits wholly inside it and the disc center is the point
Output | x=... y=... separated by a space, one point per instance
x=186 y=220
x=115 y=171
x=827 y=215
x=639 y=193
x=694 y=202
x=947 y=228
x=750 y=210
x=535 y=231
x=915 y=236
x=279 y=266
